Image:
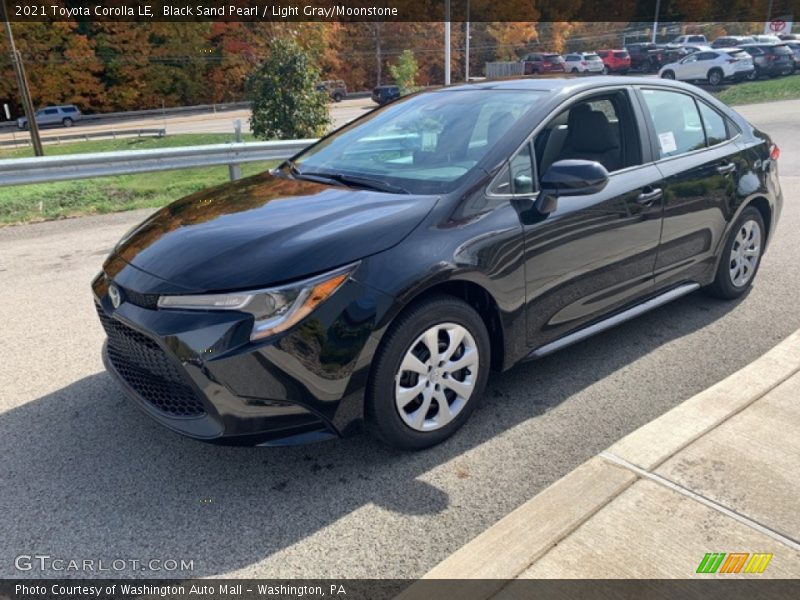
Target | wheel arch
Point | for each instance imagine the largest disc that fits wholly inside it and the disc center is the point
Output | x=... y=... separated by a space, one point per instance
x=479 y=298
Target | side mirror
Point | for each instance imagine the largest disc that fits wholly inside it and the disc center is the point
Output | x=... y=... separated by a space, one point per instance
x=574 y=177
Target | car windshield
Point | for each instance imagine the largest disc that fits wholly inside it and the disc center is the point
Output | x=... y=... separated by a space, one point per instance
x=424 y=144
x=591 y=57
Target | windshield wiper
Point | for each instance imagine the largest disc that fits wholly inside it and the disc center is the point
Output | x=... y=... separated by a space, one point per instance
x=348 y=180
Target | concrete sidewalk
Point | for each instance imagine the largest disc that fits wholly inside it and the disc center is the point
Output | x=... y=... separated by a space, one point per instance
x=717 y=474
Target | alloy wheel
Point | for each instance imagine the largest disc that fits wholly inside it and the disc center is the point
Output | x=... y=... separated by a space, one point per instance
x=437 y=377
x=745 y=253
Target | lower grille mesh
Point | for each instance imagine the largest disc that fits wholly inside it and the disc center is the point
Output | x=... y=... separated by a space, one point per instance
x=142 y=363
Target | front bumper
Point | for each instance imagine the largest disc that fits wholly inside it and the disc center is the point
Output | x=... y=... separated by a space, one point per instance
x=197 y=373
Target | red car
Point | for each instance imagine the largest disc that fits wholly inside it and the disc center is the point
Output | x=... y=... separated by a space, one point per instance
x=543 y=62
x=615 y=61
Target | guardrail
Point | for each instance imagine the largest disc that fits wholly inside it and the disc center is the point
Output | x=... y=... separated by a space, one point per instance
x=18 y=171
x=90 y=135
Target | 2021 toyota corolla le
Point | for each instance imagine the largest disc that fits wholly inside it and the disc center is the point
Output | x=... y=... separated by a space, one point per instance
x=377 y=277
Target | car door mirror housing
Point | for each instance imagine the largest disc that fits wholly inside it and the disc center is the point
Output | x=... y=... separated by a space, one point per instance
x=573 y=177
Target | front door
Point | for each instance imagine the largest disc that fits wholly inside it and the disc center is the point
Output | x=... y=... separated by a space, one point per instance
x=594 y=254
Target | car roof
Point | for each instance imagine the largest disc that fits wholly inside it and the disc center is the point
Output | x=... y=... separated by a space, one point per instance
x=557 y=84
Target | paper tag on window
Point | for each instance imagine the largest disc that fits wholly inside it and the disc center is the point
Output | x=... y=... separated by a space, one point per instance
x=667 y=141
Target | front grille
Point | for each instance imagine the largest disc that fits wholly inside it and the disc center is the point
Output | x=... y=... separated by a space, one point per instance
x=142 y=363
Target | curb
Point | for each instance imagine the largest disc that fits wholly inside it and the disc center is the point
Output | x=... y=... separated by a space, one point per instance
x=510 y=546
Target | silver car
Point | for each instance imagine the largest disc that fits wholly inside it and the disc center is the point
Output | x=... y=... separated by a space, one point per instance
x=65 y=115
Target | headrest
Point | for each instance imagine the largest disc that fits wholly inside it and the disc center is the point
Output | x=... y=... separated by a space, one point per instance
x=499 y=124
x=590 y=131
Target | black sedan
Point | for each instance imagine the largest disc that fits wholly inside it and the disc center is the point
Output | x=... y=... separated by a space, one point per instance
x=375 y=279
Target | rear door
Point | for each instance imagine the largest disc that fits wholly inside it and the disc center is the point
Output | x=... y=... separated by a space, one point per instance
x=594 y=254
x=701 y=164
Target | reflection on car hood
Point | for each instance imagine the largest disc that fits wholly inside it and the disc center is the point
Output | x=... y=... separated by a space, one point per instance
x=264 y=230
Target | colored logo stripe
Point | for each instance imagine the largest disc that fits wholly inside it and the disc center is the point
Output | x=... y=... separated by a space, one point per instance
x=717 y=561
x=758 y=563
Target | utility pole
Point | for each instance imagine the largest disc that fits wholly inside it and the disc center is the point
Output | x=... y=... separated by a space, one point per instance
x=22 y=83
x=655 y=20
x=466 y=49
x=447 y=42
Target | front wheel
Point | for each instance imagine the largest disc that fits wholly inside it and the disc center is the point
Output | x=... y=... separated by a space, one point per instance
x=741 y=256
x=668 y=75
x=429 y=373
x=605 y=69
x=67 y=122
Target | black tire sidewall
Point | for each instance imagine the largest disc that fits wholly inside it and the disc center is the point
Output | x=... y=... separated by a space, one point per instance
x=381 y=413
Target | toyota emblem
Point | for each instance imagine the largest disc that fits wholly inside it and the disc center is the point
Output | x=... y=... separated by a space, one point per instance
x=113 y=293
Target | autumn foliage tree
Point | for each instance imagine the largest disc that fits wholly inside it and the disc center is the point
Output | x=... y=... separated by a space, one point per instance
x=283 y=91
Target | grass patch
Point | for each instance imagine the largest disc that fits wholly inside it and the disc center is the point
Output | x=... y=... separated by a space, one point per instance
x=45 y=201
x=751 y=92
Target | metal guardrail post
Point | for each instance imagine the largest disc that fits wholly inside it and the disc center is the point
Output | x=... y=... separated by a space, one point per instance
x=235 y=171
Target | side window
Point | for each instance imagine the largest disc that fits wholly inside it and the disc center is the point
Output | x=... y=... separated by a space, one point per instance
x=51 y=111
x=707 y=56
x=714 y=123
x=600 y=128
x=522 y=171
x=676 y=121
x=517 y=176
x=689 y=59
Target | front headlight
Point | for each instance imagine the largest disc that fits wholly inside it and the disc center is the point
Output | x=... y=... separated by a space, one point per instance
x=275 y=309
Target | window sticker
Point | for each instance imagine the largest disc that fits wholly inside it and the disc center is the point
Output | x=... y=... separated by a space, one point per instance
x=667 y=141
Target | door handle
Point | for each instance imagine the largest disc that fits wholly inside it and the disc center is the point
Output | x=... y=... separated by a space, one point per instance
x=726 y=168
x=648 y=196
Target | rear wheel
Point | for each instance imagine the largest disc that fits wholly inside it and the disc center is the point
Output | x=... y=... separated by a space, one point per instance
x=605 y=69
x=715 y=77
x=741 y=256
x=337 y=97
x=67 y=122
x=668 y=75
x=574 y=70
x=428 y=374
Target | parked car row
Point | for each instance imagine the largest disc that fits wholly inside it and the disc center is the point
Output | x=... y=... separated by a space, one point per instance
x=687 y=58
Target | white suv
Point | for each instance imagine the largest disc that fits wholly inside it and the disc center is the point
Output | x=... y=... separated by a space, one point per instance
x=714 y=66
x=583 y=62
x=683 y=40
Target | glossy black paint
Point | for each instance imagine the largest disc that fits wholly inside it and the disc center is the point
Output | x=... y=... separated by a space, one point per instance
x=534 y=275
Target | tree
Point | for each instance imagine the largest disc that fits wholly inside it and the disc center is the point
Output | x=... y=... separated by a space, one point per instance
x=405 y=71
x=286 y=103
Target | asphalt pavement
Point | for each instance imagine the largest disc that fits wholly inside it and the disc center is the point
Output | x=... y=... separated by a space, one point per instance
x=85 y=475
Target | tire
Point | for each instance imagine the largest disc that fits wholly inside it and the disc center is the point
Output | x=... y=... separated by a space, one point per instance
x=725 y=285
x=574 y=70
x=405 y=341
x=605 y=70
x=67 y=122
x=337 y=98
x=752 y=75
x=715 y=77
x=668 y=75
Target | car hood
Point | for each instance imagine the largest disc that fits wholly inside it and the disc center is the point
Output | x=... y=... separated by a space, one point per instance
x=265 y=230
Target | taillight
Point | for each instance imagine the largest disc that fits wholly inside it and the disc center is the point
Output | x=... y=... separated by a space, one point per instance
x=733 y=60
x=771 y=57
x=583 y=62
x=545 y=64
x=774 y=152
